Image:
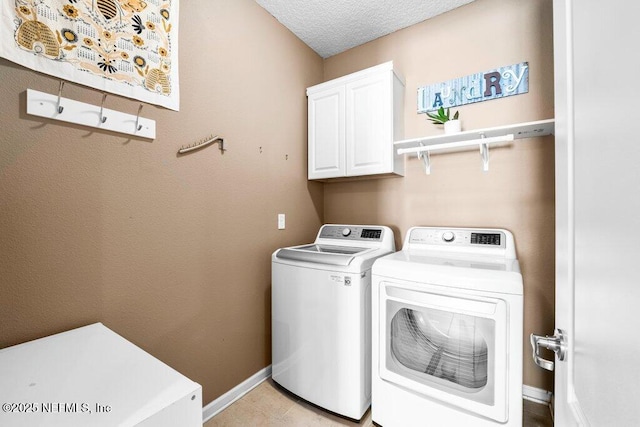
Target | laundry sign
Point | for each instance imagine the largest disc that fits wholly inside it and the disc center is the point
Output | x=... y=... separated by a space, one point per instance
x=484 y=86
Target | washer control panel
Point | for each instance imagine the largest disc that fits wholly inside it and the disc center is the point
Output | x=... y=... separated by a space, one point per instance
x=350 y=232
x=458 y=237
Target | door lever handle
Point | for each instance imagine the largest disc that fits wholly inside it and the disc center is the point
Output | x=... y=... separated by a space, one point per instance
x=556 y=343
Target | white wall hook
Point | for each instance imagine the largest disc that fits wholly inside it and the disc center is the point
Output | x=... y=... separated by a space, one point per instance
x=103 y=118
x=138 y=125
x=60 y=107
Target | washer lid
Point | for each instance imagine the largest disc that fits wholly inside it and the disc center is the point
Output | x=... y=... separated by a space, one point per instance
x=322 y=254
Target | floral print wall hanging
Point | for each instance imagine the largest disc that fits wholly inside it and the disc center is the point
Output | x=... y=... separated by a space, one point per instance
x=126 y=47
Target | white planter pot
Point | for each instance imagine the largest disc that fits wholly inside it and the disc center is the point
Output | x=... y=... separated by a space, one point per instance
x=452 y=126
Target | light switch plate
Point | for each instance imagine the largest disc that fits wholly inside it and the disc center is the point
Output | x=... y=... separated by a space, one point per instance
x=281 y=223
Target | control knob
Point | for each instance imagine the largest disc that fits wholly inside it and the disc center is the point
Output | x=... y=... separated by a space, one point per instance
x=346 y=232
x=448 y=236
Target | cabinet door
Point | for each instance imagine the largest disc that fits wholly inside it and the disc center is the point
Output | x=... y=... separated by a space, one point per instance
x=369 y=131
x=326 y=134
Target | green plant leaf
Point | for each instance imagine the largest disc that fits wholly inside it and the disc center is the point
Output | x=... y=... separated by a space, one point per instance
x=447 y=116
x=456 y=115
x=435 y=119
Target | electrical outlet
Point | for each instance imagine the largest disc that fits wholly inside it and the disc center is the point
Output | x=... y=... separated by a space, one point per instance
x=280 y=221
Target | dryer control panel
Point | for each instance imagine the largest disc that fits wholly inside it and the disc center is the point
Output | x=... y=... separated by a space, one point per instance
x=486 y=241
x=352 y=232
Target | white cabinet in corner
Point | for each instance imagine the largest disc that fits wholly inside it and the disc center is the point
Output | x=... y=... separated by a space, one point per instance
x=353 y=121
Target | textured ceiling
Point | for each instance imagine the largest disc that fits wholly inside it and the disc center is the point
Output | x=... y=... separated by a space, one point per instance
x=333 y=26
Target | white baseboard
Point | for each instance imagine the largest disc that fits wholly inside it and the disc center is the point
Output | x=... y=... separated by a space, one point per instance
x=235 y=393
x=536 y=394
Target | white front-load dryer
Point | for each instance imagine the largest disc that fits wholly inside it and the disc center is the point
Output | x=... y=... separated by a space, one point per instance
x=321 y=316
x=447 y=316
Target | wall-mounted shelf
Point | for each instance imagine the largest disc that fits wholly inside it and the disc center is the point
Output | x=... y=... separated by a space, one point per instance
x=481 y=138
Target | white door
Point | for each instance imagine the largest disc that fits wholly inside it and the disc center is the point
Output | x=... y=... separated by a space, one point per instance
x=326 y=134
x=598 y=212
x=369 y=136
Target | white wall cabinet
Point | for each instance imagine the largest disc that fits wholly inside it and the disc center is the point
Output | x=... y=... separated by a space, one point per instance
x=353 y=121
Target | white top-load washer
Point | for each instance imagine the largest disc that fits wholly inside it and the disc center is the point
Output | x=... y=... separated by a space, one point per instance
x=447 y=330
x=321 y=316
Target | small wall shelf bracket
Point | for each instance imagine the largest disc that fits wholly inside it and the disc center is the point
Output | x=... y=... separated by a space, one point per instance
x=484 y=154
x=426 y=159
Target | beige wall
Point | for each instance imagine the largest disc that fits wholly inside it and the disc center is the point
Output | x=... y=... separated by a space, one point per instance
x=518 y=191
x=171 y=252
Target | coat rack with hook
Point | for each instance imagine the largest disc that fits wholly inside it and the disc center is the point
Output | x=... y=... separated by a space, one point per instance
x=56 y=107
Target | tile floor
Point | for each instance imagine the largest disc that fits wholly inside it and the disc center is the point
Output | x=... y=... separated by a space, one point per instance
x=270 y=405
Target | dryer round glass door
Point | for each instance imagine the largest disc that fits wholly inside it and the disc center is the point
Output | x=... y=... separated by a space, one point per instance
x=448 y=347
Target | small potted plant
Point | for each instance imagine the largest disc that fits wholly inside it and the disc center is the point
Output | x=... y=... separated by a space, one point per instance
x=451 y=125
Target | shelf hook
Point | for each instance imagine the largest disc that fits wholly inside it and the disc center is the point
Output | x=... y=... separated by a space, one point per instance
x=102 y=117
x=138 y=125
x=484 y=153
x=60 y=107
x=426 y=159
